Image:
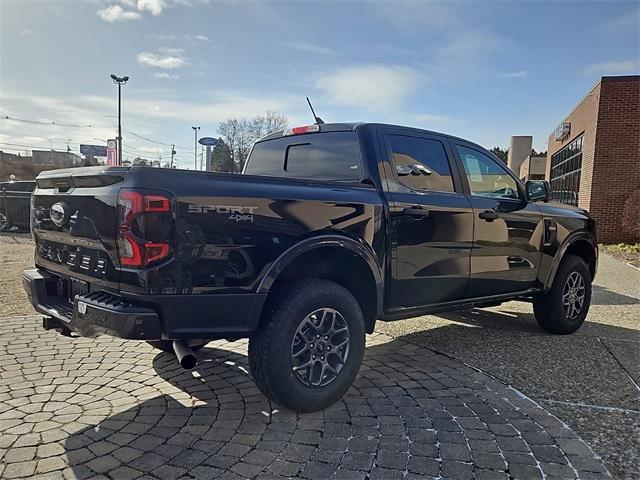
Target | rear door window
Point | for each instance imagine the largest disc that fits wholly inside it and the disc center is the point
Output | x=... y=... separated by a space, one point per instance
x=332 y=156
x=421 y=163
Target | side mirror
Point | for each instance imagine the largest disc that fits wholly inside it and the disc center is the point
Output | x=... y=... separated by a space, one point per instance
x=404 y=170
x=537 y=190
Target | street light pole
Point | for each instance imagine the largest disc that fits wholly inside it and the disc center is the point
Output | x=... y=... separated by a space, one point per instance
x=195 y=147
x=120 y=81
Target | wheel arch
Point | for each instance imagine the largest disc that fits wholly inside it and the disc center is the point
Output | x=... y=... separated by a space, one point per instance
x=583 y=246
x=344 y=260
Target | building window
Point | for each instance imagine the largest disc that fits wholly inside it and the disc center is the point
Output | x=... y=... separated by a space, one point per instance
x=566 y=165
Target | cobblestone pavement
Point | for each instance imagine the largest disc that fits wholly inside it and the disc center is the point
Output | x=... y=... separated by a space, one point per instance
x=105 y=408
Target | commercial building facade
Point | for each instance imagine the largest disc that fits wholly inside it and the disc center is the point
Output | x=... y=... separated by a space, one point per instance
x=593 y=157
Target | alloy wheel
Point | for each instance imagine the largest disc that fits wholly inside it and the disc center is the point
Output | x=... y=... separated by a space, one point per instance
x=320 y=347
x=573 y=295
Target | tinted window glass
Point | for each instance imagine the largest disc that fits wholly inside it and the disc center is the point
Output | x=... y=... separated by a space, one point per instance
x=323 y=156
x=421 y=163
x=486 y=177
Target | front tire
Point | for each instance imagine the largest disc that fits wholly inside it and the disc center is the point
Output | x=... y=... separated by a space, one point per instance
x=564 y=307
x=310 y=345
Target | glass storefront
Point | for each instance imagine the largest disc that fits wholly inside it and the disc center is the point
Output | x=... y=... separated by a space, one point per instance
x=566 y=165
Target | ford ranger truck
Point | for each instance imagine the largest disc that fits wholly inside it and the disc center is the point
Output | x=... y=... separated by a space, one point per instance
x=328 y=229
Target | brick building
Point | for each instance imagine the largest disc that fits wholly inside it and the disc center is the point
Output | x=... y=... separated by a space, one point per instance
x=593 y=159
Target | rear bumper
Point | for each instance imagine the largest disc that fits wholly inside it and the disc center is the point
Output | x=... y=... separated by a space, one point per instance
x=91 y=314
x=144 y=317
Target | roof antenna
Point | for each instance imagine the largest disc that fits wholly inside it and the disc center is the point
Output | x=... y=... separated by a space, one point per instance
x=317 y=119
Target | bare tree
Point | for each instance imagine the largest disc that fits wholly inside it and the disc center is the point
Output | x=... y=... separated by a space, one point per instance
x=270 y=122
x=241 y=133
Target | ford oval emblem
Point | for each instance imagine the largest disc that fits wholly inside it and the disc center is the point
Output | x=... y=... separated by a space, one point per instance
x=58 y=214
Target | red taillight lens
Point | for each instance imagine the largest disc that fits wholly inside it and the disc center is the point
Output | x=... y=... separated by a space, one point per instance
x=133 y=250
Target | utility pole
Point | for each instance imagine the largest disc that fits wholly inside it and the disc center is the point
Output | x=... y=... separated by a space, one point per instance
x=195 y=147
x=173 y=152
x=120 y=81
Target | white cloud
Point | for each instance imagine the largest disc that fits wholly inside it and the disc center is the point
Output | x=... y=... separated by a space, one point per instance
x=168 y=62
x=621 y=24
x=199 y=38
x=25 y=32
x=166 y=75
x=610 y=68
x=516 y=74
x=310 y=48
x=155 y=7
x=373 y=87
x=115 y=13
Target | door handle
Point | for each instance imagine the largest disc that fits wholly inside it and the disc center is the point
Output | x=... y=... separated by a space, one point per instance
x=489 y=215
x=416 y=211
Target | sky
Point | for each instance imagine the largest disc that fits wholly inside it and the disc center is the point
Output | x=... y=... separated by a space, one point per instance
x=480 y=70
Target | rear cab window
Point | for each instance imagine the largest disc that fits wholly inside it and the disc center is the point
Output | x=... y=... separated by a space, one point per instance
x=326 y=156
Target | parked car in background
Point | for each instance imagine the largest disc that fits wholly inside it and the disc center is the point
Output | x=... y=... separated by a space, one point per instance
x=14 y=204
x=329 y=228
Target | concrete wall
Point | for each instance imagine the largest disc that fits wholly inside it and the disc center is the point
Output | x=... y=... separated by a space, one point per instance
x=519 y=150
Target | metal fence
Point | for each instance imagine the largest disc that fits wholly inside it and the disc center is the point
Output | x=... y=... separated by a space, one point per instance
x=14 y=211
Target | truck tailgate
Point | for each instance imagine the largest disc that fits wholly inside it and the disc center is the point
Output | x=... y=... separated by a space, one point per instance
x=73 y=220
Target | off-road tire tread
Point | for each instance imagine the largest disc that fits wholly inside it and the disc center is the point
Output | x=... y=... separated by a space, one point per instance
x=289 y=298
x=548 y=312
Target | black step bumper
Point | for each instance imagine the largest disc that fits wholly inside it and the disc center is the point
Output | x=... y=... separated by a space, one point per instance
x=142 y=317
x=90 y=314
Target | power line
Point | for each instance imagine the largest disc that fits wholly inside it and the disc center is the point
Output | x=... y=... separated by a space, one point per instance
x=74 y=125
x=53 y=122
x=37 y=147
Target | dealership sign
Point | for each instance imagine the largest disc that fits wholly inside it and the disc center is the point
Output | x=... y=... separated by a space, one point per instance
x=208 y=141
x=93 y=150
x=562 y=131
x=111 y=152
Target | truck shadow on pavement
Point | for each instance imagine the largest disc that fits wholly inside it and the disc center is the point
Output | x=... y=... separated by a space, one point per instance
x=604 y=296
x=410 y=410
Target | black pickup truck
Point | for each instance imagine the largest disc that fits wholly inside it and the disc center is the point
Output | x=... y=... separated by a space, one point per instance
x=329 y=228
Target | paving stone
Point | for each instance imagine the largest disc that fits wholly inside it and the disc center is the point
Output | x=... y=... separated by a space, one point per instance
x=285 y=468
x=47 y=465
x=358 y=461
x=108 y=408
x=394 y=460
x=491 y=461
x=103 y=464
x=454 y=451
x=424 y=466
x=458 y=470
x=524 y=472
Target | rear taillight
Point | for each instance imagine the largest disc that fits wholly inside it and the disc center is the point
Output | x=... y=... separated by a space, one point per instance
x=135 y=208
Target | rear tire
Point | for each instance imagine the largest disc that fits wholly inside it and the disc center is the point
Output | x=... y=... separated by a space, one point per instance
x=167 y=345
x=310 y=345
x=564 y=307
